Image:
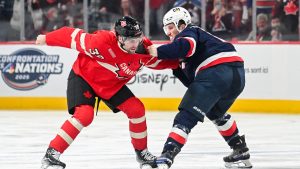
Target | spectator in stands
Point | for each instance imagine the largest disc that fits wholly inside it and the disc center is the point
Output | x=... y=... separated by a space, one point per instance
x=241 y=15
x=241 y=19
x=54 y=21
x=157 y=10
x=126 y=9
x=109 y=8
x=36 y=14
x=278 y=29
x=287 y=12
x=277 y=10
x=291 y=19
x=237 y=12
x=139 y=9
x=263 y=29
x=73 y=14
x=222 y=19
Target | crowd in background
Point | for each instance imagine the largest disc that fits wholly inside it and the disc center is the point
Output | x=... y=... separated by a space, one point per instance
x=276 y=20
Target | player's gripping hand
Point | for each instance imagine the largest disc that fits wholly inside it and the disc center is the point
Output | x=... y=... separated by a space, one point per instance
x=40 y=40
x=152 y=50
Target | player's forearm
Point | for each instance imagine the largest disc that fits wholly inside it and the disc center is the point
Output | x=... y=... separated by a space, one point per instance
x=176 y=50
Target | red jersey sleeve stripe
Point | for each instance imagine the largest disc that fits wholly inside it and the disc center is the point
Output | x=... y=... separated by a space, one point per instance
x=222 y=60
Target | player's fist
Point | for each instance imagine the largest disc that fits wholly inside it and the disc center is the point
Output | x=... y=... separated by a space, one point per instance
x=40 y=40
x=152 y=50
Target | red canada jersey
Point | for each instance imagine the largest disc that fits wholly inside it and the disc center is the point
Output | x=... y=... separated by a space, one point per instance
x=101 y=62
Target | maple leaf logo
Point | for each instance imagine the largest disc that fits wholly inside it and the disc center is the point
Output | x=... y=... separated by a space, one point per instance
x=120 y=74
x=123 y=23
x=290 y=8
x=87 y=94
x=125 y=71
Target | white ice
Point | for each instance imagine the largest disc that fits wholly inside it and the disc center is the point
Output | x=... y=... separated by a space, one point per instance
x=274 y=141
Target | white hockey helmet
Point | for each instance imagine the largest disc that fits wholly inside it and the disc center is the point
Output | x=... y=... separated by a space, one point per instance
x=176 y=14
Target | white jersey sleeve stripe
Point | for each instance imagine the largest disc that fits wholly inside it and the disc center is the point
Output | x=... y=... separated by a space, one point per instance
x=73 y=36
x=108 y=67
x=82 y=44
x=215 y=57
x=154 y=64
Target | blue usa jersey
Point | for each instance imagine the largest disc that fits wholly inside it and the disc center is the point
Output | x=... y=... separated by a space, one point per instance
x=198 y=50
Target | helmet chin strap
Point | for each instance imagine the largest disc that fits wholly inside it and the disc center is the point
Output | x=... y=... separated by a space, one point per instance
x=121 y=43
x=122 y=46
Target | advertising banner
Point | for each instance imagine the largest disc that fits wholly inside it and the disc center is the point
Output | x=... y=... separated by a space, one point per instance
x=272 y=72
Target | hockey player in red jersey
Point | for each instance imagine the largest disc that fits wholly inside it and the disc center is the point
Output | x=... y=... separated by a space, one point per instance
x=107 y=60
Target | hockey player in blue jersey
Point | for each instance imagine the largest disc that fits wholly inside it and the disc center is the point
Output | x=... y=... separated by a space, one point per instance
x=214 y=74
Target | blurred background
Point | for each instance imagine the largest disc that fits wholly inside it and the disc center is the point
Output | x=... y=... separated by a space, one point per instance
x=235 y=20
x=266 y=33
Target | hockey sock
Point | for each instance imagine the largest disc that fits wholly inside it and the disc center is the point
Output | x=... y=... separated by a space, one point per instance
x=176 y=140
x=83 y=116
x=227 y=127
x=135 y=111
x=183 y=124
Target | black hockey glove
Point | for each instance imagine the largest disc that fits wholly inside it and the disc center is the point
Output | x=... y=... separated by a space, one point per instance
x=181 y=76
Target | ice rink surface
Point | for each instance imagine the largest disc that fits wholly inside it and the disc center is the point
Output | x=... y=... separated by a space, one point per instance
x=274 y=141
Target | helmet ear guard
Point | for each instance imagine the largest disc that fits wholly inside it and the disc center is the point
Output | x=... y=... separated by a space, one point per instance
x=176 y=16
